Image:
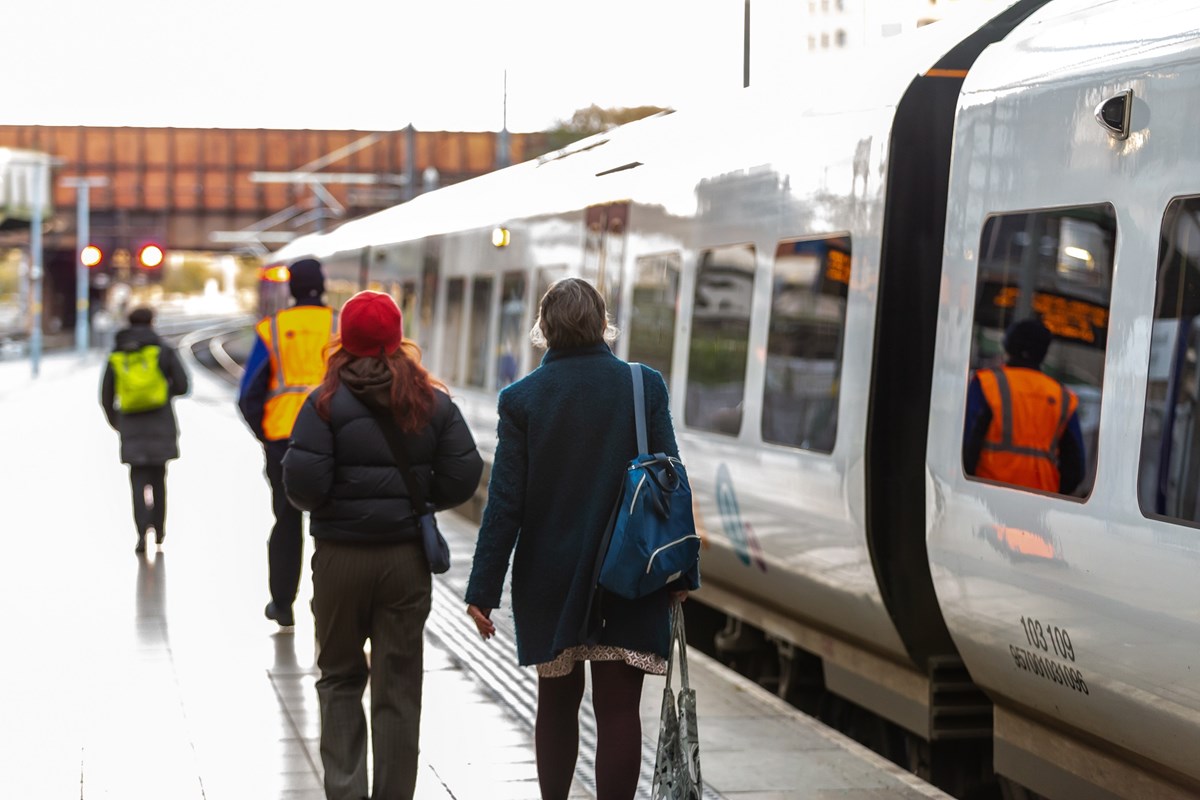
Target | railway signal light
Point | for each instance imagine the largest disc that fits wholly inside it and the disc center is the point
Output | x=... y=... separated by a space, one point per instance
x=150 y=256
x=91 y=256
x=277 y=274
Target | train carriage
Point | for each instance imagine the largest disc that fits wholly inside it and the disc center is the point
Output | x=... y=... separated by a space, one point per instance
x=816 y=270
x=1076 y=170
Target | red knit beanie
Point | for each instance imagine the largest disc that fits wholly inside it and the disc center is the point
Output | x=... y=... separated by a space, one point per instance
x=370 y=324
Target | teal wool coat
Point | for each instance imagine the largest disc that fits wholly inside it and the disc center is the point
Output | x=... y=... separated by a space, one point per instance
x=566 y=432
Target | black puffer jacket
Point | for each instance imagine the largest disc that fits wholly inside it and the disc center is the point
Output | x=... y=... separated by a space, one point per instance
x=343 y=471
x=148 y=438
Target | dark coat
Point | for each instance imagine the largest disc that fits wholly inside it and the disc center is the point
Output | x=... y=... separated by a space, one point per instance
x=148 y=438
x=343 y=471
x=566 y=432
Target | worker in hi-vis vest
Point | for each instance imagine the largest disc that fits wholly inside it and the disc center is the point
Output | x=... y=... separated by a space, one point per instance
x=287 y=362
x=1021 y=426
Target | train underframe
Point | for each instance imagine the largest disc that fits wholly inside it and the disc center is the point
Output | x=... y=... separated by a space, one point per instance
x=956 y=752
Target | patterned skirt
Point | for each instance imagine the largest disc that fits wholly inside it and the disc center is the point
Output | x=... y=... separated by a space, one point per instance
x=562 y=665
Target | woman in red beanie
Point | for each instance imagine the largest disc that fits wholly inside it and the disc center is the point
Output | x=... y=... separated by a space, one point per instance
x=371 y=579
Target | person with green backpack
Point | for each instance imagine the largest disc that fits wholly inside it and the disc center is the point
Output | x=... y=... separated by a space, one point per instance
x=142 y=376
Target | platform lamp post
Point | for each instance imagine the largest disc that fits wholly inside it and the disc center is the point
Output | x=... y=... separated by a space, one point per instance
x=83 y=186
x=35 y=265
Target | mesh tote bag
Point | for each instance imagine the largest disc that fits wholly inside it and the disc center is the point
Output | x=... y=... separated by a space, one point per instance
x=677 y=764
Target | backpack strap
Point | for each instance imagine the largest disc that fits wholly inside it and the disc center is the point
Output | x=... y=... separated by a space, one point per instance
x=593 y=617
x=639 y=407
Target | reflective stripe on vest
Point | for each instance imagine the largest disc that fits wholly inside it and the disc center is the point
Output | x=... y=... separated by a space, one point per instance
x=1030 y=412
x=297 y=339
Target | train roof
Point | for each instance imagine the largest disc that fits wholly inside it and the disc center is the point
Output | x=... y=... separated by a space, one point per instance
x=1067 y=38
x=630 y=162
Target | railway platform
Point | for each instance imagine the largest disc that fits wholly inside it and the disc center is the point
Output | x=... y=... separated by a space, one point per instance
x=157 y=676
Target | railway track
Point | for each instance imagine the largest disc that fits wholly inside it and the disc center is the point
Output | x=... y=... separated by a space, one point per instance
x=220 y=348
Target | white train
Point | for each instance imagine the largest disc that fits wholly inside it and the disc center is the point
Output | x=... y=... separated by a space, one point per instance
x=817 y=271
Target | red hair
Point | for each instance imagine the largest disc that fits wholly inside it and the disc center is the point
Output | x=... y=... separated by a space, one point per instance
x=412 y=385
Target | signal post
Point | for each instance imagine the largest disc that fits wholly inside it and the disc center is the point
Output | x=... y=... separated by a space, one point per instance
x=87 y=255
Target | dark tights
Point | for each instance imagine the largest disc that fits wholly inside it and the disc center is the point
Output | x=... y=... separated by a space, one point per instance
x=153 y=514
x=616 y=697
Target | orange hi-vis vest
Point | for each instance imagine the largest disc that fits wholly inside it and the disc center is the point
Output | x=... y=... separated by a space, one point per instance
x=297 y=341
x=1030 y=412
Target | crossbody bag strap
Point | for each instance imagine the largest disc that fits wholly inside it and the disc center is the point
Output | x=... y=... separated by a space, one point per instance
x=392 y=434
x=639 y=407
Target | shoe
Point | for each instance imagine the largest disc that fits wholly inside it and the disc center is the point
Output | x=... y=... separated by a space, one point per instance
x=281 y=615
x=159 y=536
x=141 y=545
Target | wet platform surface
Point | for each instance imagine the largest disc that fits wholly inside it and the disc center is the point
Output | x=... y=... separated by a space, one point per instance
x=157 y=676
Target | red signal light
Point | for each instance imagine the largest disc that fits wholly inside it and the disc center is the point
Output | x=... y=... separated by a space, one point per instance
x=151 y=256
x=278 y=274
x=91 y=256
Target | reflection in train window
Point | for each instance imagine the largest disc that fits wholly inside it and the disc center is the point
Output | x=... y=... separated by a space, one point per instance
x=407 y=300
x=429 y=289
x=809 y=285
x=477 y=336
x=1169 y=475
x=655 y=303
x=339 y=290
x=451 y=329
x=512 y=328
x=717 y=353
x=545 y=277
x=1054 y=266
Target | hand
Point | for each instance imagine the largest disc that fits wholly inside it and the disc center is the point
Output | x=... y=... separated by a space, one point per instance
x=482 y=619
x=680 y=596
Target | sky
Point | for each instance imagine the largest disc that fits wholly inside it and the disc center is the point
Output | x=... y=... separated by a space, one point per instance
x=357 y=64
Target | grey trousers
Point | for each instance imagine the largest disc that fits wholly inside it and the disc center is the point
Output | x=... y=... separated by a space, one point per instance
x=381 y=593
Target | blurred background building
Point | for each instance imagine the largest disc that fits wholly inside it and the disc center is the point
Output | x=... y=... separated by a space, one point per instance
x=822 y=26
x=206 y=196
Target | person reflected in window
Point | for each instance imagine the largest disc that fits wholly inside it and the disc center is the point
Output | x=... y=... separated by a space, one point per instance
x=1021 y=426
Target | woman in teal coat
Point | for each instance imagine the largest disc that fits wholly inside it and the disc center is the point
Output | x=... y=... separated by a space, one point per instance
x=565 y=433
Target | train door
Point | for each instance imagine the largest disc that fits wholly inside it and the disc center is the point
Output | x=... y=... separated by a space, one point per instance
x=604 y=251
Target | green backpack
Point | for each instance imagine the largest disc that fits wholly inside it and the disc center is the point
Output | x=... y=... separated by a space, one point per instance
x=141 y=385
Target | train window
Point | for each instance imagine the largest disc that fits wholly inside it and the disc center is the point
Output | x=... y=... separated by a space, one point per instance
x=655 y=304
x=477 y=336
x=430 y=266
x=451 y=328
x=1054 y=267
x=720 y=339
x=1169 y=475
x=810 y=282
x=512 y=328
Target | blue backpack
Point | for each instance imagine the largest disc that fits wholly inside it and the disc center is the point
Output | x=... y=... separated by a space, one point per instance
x=650 y=540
